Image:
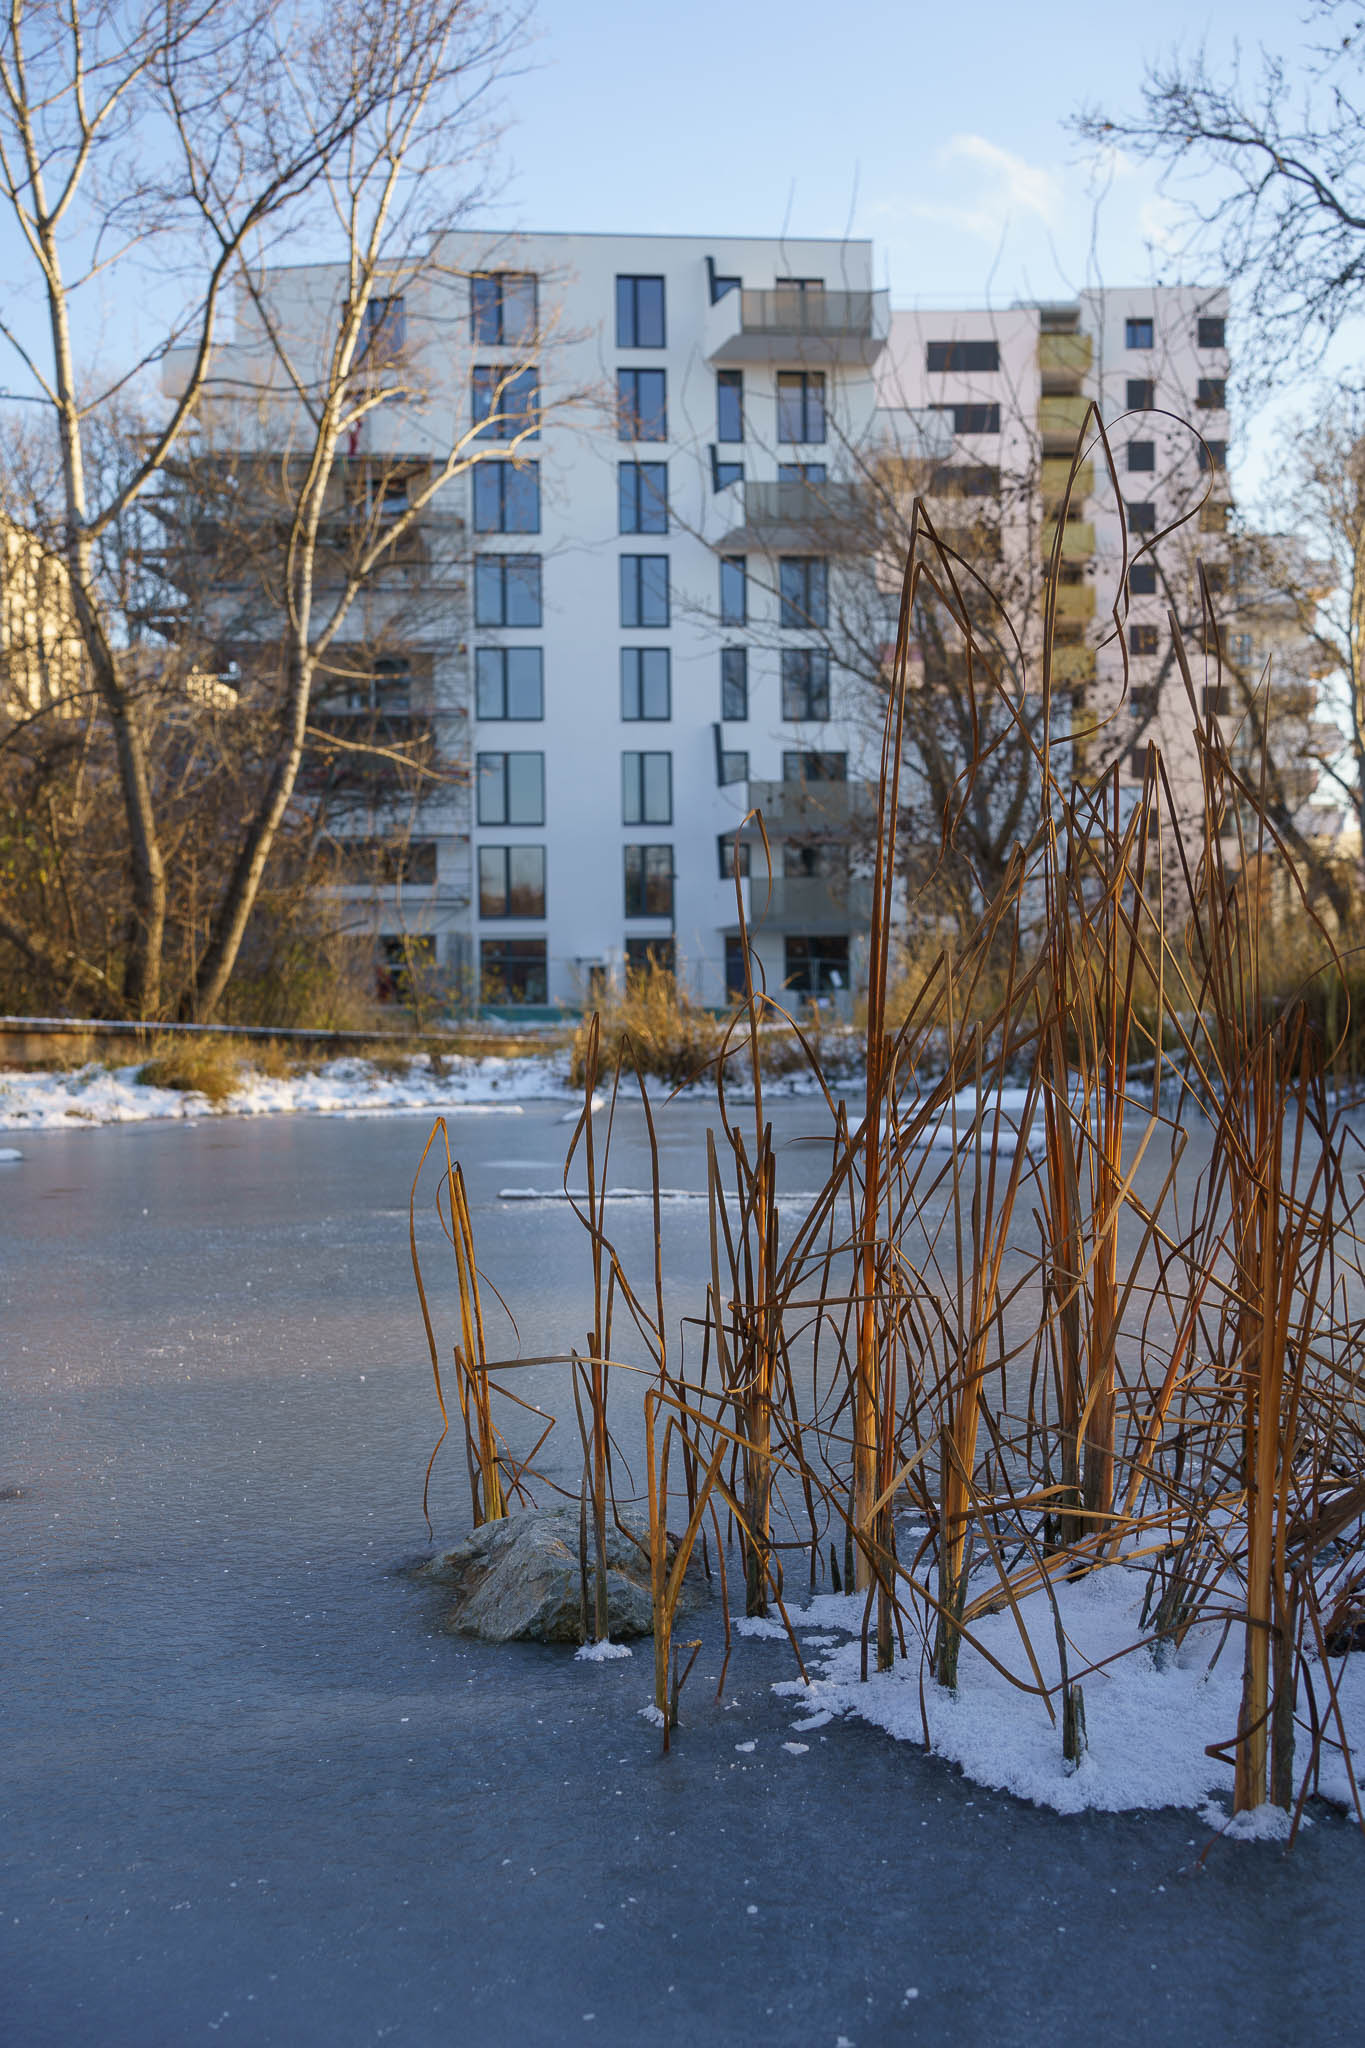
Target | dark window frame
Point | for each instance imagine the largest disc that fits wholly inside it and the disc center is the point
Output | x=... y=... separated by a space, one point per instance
x=498 y=658
x=498 y=395
x=483 y=778
x=628 y=315
x=636 y=586
x=650 y=875
x=1141 y=457
x=634 y=420
x=803 y=592
x=729 y=387
x=641 y=493
x=524 y=952
x=636 y=687
x=501 y=569
x=492 y=477
x=734 y=687
x=633 y=761
x=499 y=855
x=1135 y=327
x=494 y=332
x=959 y=357
x=805 y=684
x=803 y=409
x=734 y=578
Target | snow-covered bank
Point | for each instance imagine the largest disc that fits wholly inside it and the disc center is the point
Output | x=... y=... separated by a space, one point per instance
x=1149 y=1725
x=97 y=1094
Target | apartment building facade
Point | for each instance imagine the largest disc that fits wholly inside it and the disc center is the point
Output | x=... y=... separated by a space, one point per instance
x=620 y=615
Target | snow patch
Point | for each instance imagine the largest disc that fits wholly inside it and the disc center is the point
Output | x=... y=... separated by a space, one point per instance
x=601 y=1653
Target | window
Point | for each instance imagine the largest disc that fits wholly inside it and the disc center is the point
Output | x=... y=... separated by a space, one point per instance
x=649 y=881
x=800 y=405
x=1215 y=517
x=734 y=683
x=963 y=355
x=513 y=971
x=964 y=480
x=1142 y=455
x=1142 y=579
x=507 y=590
x=507 y=497
x=511 y=789
x=647 y=789
x=732 y=765
x=644 y=590
x=1139 y=334
x=729 y=405
x=506 y=402
x=1142 y=639
x=403 y=960
x=387 y=689
x=805 y=683
x=1141 y=518
x=642 y=954
x=383 y=331
x=641 y=405
x=733 y=859
x=803 y=582
x=1211 y=394
x=1212 y=332
x=723 y=474
x=646 y=683
x=511 y=881
x=802 y=473
x=1141 y=394
x=503 y=306
x=1240 y=648
x=642 y=497
x=817 y=967
x=1213 y=455
x=1137 y=763
x=734 y=590
x=815 y=767
x=736 y=966
x=508 y=682
x=972 y=419
x=640 y=312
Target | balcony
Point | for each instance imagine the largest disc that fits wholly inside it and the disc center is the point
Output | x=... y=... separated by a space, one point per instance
x=815 y=327
x=794 y=518
x=1057 y=476
x=1078 y=540
x=809 y=903
x=1063 y=359
x=1060 y=419
x=812 y=810
x=1075 y=601
x=1073 y=664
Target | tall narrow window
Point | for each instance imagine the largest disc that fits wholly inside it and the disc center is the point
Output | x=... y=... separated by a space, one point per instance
x=507 y=590
x=801 y=405
x=729 y=405
x=646 y=683
x=805 y=684
x=640 y=312
x=803 y=585
x=511 y=789
x=647 y=789
x=644 y=590
x=641 y=405
x=384 y=331
x=642 y=497
x=1213 y=454
x=649 y=881
x=506 y=402
x=503 y=306
x=511 y=881
x=734 y=683
x=734 y=590
x=507 y=497
x=508 y=683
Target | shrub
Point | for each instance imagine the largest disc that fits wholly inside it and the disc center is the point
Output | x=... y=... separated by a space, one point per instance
x=210 y=1066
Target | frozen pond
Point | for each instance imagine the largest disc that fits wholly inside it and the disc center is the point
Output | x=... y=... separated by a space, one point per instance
x=252 y=1792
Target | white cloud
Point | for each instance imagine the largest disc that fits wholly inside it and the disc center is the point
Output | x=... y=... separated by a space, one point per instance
x=1158 y=222
x=992 y=186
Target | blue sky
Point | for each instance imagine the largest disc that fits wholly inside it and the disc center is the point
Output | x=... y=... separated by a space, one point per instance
x=935 y=130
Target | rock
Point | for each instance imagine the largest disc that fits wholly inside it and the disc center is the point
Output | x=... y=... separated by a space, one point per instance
x=519 y=1579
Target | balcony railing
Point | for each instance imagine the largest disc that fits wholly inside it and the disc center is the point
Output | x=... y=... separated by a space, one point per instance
x=1057 y=476
x=794 y=516
x=816 y=810
x=1064 y=355
x=1078 y=539
x=810 y=903
x=802 y=326
x=1060 y=419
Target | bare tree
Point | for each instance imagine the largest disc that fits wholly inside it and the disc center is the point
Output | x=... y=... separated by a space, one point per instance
x=1270 y=171
x=169 y=160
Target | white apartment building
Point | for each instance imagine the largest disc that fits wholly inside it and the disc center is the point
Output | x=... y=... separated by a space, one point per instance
x=619 y=615
x=1016 y=385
